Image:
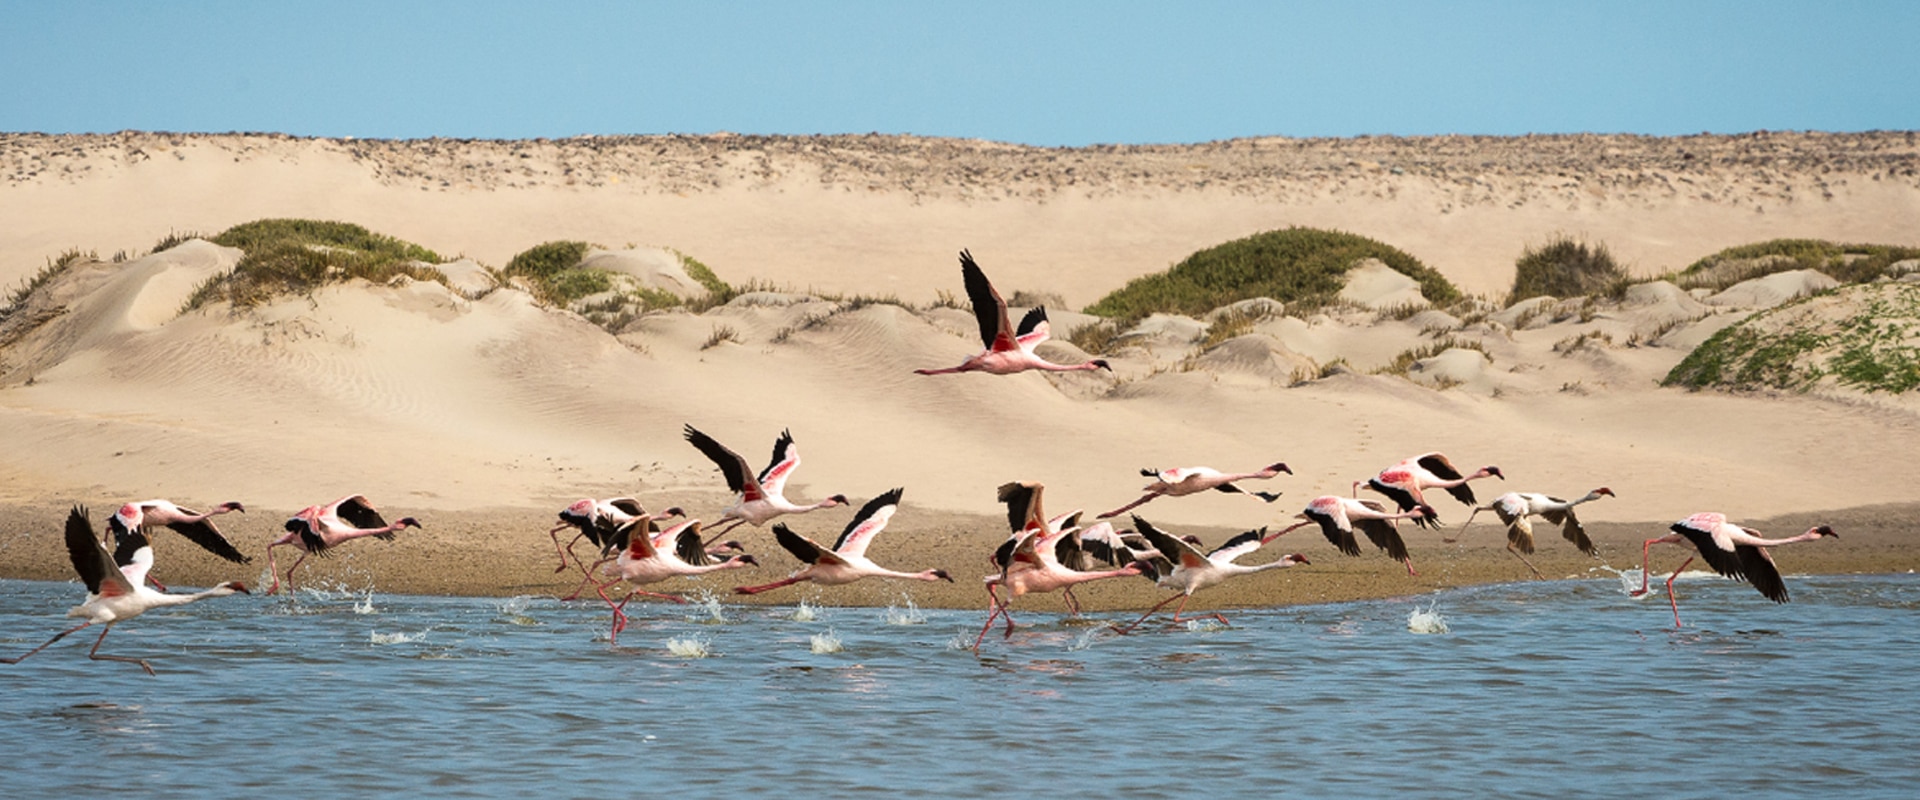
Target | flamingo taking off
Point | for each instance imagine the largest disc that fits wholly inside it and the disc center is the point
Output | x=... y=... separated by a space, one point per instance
x=115 y=592
x=847 y=561
x=648 y=558
x=195 y=526
x=317 y=529
x=760 y=498
x=1733 y=551
x=1193 y=480
x=1515 y=509
x=1405 y=483
x=1030 y=561
x=1193 y=570
x=1009 y=349
x=1338 y=517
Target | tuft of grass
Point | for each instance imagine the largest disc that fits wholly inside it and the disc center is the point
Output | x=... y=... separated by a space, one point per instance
x=1847 y=263
x=1565 y=267
x=1304 y=266
x=297 y=256
x=175 y=239
x=1098 y=338
x=721 y=333
x=1226 y=326
x=55 y=267
x=1407 y=358
x=703 y=275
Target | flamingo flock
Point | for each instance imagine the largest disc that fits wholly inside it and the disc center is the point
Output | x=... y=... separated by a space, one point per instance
x=1039 y=555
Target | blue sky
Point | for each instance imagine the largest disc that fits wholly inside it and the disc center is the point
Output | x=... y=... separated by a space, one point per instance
x=1045 y=73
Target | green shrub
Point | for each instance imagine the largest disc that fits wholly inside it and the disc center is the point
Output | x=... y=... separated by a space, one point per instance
x=1847 y=263
x=1797 y=345
x=1302 y=267
x=292 y=256
x=1565 y=268
x=55 y=268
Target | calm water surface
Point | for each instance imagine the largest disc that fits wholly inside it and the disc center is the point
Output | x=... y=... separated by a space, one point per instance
x=1543 y=689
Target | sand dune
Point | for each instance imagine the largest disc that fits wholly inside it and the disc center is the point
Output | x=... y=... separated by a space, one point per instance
x=484 y=412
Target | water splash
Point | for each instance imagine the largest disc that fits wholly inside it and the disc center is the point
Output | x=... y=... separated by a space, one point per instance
x=825 y=642
x=365 y=606
x=706 y=609
x=513 y=611
x=1085 y=639
x=377 y=637
x=1204 y=625
x=1426 y=620
x=905 y=613
x=689 y=647
x=805 y=612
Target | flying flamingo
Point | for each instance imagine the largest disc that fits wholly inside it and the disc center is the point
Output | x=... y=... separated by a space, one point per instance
x=1338 y=517
x=1026 y=516
x=197 y=527
x=847 y=561
x=1514 y=509
x=651 y=558
x=761 y=498
x=317 y=529
x=1193 y=570
x=1731 y=550
x=1405 y=483
x=115 y=592
x=1009 y=350
x=1193 y=480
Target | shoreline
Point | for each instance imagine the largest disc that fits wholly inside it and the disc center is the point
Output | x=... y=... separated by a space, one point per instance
x=506 y=553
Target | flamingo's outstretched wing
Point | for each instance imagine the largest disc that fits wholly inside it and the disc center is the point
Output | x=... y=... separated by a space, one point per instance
x=871 y=519
x=996 y=330
x=1239 y=546
x=1033 y=329
x=786 y=459
x=739 y=476
x=93 y=563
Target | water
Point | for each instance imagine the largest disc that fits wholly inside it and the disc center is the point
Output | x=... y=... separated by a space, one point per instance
x=1542 y=689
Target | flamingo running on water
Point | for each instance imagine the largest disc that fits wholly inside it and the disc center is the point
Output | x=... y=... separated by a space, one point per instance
x=757 y=499
x=317 y=529
x=195 y=526
x=1515 y=509
x=1030 y=562
x=647 y=558
x=847 y=561
x=1193 y=570
x=1405 y=483
x=116 y=592
x=1731 y=550
x=1193 y=480
x=1338 y=517
x=1009 y=349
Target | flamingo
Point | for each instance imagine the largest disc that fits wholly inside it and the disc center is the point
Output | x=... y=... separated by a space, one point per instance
x=1030 y=562
x=1406 y=481
x=116 y=592
x=1514 y=510
x=1025 y=516
x=317 y=529
x=1731 y=550
x=597 y=521
x=1194 y=480
x=646 y=558
x=1192 y=570
x=1009 y=350
x=761 y=498
x=1338 y=517
x=847 y=561
x=197 y=527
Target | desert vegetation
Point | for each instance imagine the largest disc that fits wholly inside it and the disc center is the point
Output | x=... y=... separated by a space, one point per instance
x=294 y=256
x=1302 y=267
